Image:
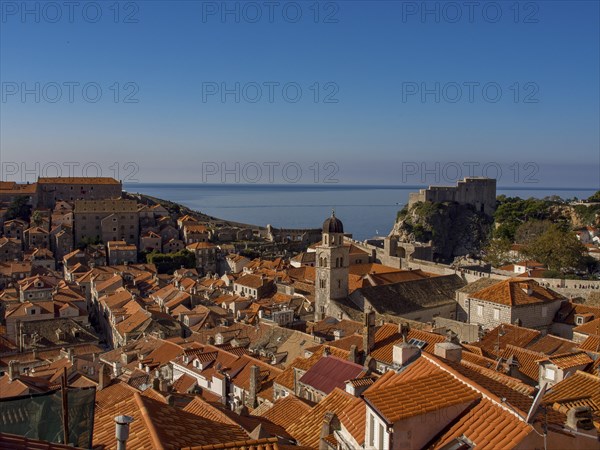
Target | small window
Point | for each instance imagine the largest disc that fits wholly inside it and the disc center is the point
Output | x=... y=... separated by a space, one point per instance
x=550 y=374
x=496 y=313
x=480 y=310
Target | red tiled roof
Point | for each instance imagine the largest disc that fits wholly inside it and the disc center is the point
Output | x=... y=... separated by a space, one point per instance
x=160 y=426
x=331 y=372
x=513 y=292
x=495 y=340
x=307 y=428
x=286 y=411
x=591 y=344
x=590 y=328
x=353 y=419
x=403 y=400
x=568 y=360
x=488 y=426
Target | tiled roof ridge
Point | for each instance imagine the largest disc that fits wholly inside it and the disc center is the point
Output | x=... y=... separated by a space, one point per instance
x=524 y=350
x=473 y=385
x=154 y=436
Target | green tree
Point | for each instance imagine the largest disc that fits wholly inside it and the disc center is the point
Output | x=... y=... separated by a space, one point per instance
x=595 y=197
x=19 y=208
x=497 y=252
x=36 y=218
x=531 y=230
x=558 y=249
x=169 y=262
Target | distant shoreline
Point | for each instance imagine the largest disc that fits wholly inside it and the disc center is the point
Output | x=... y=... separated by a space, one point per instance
x=347 y=186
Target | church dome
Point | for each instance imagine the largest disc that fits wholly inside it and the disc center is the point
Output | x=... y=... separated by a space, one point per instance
x=333 y=224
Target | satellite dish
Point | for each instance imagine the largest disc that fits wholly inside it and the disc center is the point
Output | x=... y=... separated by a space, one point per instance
x=536 y=403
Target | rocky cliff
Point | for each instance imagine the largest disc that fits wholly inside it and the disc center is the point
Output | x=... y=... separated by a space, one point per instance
x=453 y=229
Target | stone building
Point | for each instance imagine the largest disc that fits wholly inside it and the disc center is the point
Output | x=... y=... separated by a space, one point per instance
x=480 y=192
x=120 y=252
x=11 y=249
x=51 y=190
x=206 y=256
x=108 y=220
x=514 y=300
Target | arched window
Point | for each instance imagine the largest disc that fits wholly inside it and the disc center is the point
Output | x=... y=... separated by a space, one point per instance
x=324 y=262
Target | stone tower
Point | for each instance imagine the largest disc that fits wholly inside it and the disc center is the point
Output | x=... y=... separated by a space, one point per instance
x=332 y=262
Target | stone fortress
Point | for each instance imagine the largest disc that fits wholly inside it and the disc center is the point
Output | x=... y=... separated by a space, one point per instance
x=479 y=192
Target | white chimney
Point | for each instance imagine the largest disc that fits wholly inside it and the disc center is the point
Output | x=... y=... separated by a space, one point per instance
x=449 y=351
x=403 y=352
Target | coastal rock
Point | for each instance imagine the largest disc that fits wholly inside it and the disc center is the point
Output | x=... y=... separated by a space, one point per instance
x=453 y=229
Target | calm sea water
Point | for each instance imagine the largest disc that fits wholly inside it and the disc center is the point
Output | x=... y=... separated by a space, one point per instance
x=366 y=211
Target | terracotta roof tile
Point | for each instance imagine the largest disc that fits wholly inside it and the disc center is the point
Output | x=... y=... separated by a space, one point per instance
x=403 y=400
x=353 y=418
x=568 y=360
x=497 y=339
x=307 y=428
x=590 y=328
x=286 y=411
x=160 y=426
x=527 y=360
x=388 y=335
x=591 y=344
x=578 y=386
x=250 y=444
x=513 y=292
x=488 y=426
x=550 y=344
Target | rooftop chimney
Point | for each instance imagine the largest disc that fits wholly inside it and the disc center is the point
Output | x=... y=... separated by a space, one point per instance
x=580 y=418
x=122 y=431
x=404 y=353
x=353 y=354
x=103 y=377
x=449 y=351
x=254 y=385
x=369 y=332
x=13 y=370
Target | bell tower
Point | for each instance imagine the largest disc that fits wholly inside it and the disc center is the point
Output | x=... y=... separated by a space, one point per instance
x=332 y=263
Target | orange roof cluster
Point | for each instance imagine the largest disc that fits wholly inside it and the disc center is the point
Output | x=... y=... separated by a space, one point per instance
x=591 y=344
x=249 y=444
x=160 y=426
x=550 y=344
x=578 y=386
x=306 y=429
x=527 y=360
x=489 y=426
x=495 y=340
x=286 y=411
x=590 y=328
x=569 y=360
x=398 y=401
x=517 y=292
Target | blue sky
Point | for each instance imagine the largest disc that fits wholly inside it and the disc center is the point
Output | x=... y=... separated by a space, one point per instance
x=528 y=103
